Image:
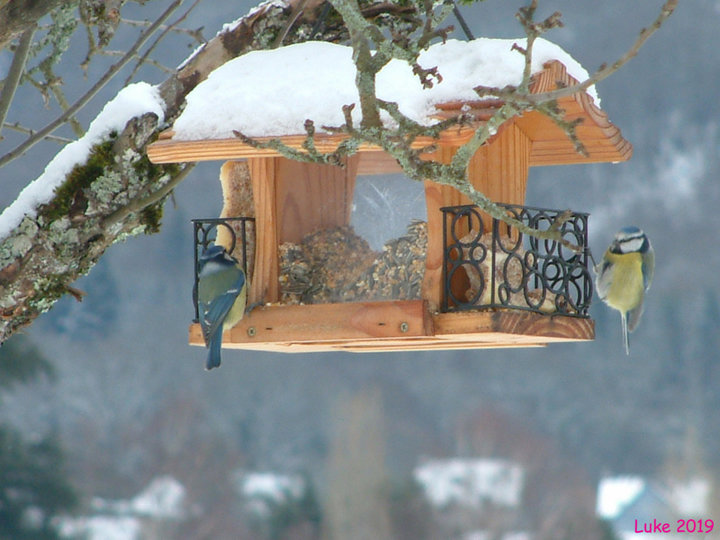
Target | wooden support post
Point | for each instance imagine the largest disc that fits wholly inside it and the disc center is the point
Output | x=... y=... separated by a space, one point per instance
x=264 y=287
x=498 y=169
x=437 y=196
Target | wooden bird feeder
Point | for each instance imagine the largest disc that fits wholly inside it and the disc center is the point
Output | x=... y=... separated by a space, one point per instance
x=291 y=200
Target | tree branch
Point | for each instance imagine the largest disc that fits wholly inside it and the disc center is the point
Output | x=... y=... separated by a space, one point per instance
x=140 y=60
x=195 y=34
x=85 y=98
x=396 y=142
x=298 y=6
x=27 y=131
x=17 y=16
x=368 y=63
x=145 y=199
x=165 y=31
x=15 y=74
x=606 y=70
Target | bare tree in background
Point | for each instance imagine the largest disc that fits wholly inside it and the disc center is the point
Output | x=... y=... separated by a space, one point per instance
x=357 y=505
x=42 y=257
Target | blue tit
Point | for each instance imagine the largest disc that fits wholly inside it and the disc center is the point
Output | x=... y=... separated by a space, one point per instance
x=623 y=276
x=221 y=294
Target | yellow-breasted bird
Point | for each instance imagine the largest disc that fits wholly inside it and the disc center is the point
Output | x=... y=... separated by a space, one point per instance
x=221 y=294
x=623 y=276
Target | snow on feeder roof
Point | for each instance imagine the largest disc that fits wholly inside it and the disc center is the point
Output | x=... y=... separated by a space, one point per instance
x=271 y=93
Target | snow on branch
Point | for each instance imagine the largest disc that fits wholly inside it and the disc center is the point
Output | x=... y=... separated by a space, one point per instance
x=132 y=101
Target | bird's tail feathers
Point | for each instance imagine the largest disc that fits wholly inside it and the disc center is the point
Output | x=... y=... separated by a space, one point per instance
x=625 y=332
x=633 y=317
x=213 y=359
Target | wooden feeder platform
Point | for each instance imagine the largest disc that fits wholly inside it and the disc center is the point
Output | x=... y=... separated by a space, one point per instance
x=286 y=197
x=393 y=326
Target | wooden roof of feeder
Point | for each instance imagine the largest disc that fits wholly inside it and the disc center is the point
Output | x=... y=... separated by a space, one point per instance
x=285 y=195
x=549 y=143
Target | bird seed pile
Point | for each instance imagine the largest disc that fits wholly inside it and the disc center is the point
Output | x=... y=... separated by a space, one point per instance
x=337 y=265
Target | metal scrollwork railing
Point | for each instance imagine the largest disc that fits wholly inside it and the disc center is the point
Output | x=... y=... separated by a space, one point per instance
x=206 y=231
x=489 y=264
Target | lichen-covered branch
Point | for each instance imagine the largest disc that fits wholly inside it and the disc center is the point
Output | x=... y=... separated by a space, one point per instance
x=368 y=62
x=45 y=254
x=17 y=16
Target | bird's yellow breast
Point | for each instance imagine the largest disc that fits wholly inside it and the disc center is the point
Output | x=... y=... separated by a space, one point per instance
x=237 y=311
x=627 y=288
